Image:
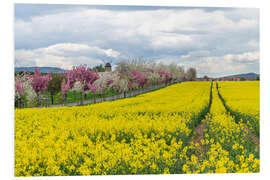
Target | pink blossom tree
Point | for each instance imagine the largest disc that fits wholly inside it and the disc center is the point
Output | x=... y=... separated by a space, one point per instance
x=139 y=78
x=40 y=82
x=166 y=76
x=93 y=88
x=132 y=85
x=105 y=81
x=111 y=81
x=82 y=74
x=19 y=86
x=65 y=86
x=85 y=76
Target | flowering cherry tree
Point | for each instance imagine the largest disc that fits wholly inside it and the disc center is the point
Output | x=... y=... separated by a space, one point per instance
x=19 y=89
x=165 y=76
x=19 y=86
x=92 y=87
x=139 y=78
x=153 y=77
x=81 y=79
x=132 y=85
x=82 y=74
x=28 y=90
x=111 y=81
x=24 y=92
x=120 y=83
x=65 y=86
x=105 y=81
x=78 y=86
x=127 y=76
x=40 y=82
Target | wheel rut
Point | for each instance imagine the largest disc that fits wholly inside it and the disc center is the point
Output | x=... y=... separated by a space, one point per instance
x=255 y=139
x=198 y=132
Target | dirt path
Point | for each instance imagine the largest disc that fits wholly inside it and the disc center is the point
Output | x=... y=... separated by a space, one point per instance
x=198 y=132
x=198 y=135
x=255 y=139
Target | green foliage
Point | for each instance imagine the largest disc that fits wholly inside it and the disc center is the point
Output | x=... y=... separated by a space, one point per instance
x=23 y=72
x=20 y=102
x=206 y=77
x=99 y=68
x=242 y=79
x=54 y=85
x=59 y=98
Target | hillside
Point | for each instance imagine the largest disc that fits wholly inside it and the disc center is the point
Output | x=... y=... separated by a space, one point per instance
x=243 y=75
x=42 y=69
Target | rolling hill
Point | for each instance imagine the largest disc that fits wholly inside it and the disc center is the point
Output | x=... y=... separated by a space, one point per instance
x=243 y=75
x=42 y=69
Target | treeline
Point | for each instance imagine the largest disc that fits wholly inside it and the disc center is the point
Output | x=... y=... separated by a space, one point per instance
x=39 y=89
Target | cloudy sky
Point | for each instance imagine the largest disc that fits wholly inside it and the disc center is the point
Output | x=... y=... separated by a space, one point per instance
x=216 y=41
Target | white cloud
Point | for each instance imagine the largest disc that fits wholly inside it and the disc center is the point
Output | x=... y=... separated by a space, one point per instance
x=170 y=41
x=244 y=57
x=254 y=43
x=228 y=64
x=64 y=55
x=214 y=41
x=111 y=53
x=216 y=66
x=104 y=25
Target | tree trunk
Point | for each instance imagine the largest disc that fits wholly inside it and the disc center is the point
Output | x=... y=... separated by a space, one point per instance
x=48 y=100
x=52 y=98
x=38 y=102
x=81 y=99
x=74 y=97
x=19 y=102
x=65 y=99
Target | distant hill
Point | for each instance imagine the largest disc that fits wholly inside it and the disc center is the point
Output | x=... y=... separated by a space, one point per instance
x=243 y=75
x=42 y=69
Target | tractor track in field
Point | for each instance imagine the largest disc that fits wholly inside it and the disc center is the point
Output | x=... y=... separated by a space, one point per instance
x=198 y=135
x=198 y=132
x=255 y=139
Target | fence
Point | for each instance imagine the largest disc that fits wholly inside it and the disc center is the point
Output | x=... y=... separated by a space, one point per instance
x=115 y=97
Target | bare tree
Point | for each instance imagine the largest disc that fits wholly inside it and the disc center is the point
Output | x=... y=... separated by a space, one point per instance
x=123 y=67
x=126 y=66
x=177 y=71
x=191 y=74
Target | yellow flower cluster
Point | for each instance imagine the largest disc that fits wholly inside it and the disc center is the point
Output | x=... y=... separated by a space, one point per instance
x=226 y=145
x=146 y=134
x=243 y=98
